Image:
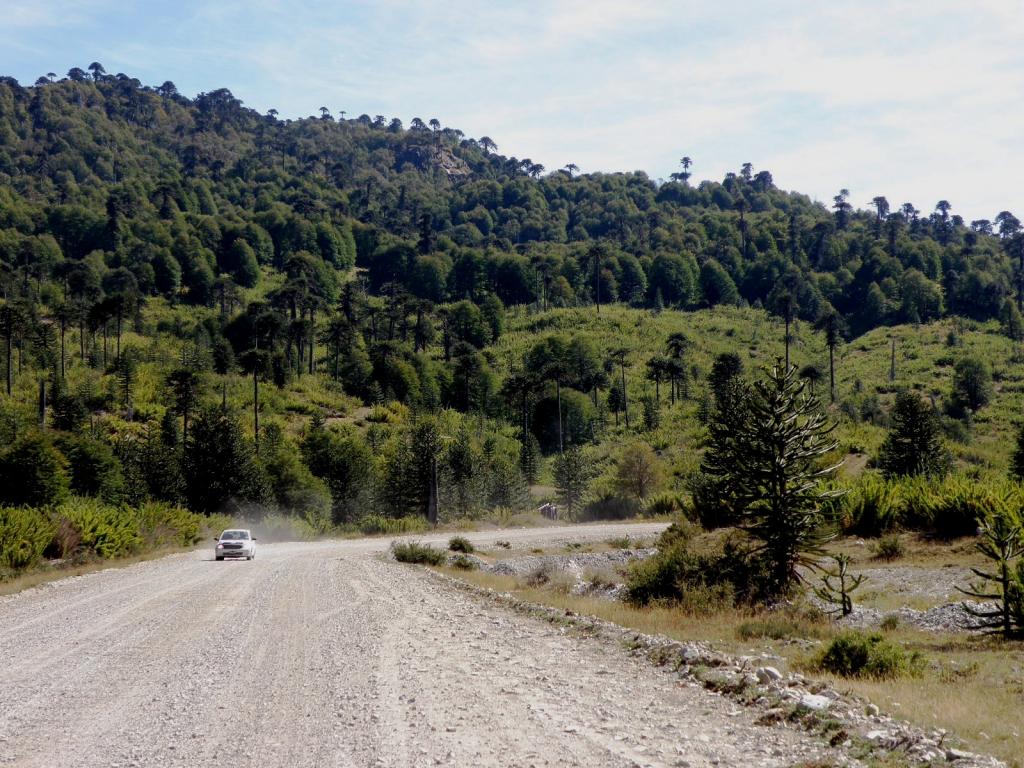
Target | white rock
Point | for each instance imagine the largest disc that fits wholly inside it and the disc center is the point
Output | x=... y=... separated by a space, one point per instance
x=815 y=702
x=768 y=674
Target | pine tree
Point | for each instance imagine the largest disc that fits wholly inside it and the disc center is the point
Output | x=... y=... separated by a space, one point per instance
x=572 y=471
x=914 y=443
x=771 y=454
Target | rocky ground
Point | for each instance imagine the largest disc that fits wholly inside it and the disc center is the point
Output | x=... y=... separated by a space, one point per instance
x=602 y=573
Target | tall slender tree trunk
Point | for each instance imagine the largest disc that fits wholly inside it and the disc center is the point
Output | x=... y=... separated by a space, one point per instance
x=256 y=409
x=117 y=361
x=10 y=364
x=312 y=341
x=558 y=400
x=832 y=372
x=787 y=341
x=62 y=350
x=625 y=397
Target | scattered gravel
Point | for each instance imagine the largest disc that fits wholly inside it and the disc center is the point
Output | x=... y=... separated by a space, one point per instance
x=327 y=654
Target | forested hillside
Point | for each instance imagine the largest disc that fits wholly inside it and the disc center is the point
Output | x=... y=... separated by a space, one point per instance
x=213 y=307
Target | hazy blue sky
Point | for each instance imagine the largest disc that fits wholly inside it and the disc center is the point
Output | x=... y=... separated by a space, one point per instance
x=916 y=100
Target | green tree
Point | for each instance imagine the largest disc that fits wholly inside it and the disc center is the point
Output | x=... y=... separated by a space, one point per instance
x=716 y=285
x=638 y=471
x=831 y=325
x=184 y=385
x=1011 y=320
x=914 y=443
x=345 y=463
x=572 y=472
x=972 y=386
x=219 y=465
x=33 y=473
x=773 y=457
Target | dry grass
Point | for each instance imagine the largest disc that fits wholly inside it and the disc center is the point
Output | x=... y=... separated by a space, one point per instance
x=972 y=686
x=48 y=573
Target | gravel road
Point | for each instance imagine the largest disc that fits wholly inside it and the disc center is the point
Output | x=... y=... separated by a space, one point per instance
x=325 y=654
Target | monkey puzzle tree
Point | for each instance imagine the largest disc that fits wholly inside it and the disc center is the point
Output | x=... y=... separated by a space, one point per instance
x=771 y=454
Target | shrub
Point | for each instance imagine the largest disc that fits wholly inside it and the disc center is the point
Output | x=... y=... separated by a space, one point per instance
x=371 y=525
x=664 y=504
x=464 y=563
x=854 y=654
x=503 y=544
x=871 y=508
x=24 y=535
x=680 y=532
x=890 y=623
x=958 y=506
x=415 y=552
x=889 y=548
x=460 y=544
x=161 y=524
x=103 y=530
x=619 y=542
x=609 y=505
x=675 y=571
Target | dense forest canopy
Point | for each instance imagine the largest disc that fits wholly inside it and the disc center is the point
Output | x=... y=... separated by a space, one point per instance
x=381 y=261
x=104 y=180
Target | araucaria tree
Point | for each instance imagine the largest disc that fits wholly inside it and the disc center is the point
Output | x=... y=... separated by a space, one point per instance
x=772 y=456
x=914 y=443
x=1002 y=542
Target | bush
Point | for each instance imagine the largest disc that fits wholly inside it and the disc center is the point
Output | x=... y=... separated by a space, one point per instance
x=503 y=544
x=103 y=530
x=24 y=535
x=854 y=654
x=415 y=552
x=609 y=505
x=619 y=542
x=955 y=508
x=680 y=532
x=664 y=504
x=889 y=548
x=463 y=563
x=871 y=509
x=372 y=525
x=162 y=525
x=460 y=544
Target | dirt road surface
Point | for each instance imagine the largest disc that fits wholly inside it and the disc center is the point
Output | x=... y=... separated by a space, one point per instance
x=325 y=654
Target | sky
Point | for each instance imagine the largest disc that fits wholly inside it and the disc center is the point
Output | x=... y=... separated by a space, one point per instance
x=917 y=100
